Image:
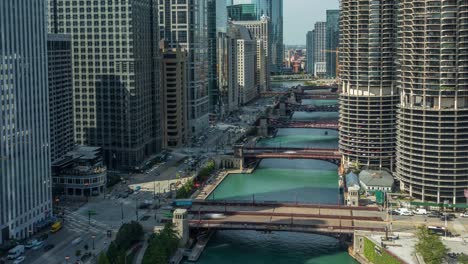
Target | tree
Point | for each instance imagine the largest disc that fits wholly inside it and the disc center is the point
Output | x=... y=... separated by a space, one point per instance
x=161 y=246
x=86 y=247
x=129 y=234
x=463 y=259
x=430 y=246
x=78 y=253
x=103 y=259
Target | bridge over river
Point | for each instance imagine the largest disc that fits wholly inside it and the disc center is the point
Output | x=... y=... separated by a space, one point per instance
x=272 y=216
x=249 y=152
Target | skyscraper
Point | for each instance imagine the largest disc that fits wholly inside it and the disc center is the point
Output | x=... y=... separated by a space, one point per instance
x=25 y=175
x=243 y=12
x=310 y=52
x=332 y=41
x=116 y=76
x=217 y=23
x=432 y=142
x=185 y=23
x=260 y=30
x=369 y=95
x=174 y=97
x=274 y=10
x=319 y=46
x=59 y=56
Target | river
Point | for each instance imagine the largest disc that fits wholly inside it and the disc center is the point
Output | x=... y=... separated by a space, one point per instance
x=309 y=181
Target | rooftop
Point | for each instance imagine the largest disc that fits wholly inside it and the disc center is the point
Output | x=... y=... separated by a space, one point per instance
x=376 y=178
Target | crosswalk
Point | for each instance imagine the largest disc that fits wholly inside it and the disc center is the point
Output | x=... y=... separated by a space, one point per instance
x=78 y=223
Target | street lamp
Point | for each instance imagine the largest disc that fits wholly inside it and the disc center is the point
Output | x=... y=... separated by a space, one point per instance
x=66 y=259
x=93 y=237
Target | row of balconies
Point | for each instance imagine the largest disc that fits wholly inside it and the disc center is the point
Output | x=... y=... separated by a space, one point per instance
x=433 y=175
x=459 y=168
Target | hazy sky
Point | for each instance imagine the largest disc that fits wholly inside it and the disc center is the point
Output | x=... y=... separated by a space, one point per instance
x=300 y=16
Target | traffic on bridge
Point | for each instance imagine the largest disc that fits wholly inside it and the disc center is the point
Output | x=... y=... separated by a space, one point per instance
x=283 y=123
x=270 y=216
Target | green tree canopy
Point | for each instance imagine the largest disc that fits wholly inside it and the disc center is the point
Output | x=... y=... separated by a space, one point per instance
x=128 y=235
x=161 y=246
x=103 y=259
x=430 y=246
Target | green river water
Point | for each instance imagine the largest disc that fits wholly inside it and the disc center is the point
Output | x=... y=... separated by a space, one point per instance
x=282 y=180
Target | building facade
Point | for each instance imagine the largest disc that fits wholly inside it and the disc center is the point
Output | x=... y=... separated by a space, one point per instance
x=260 y=30
x=369 y=97
x=319 y=47
x=246 y=48
x=174 y=97
x=242 y=12
x=185 y=23
x=80 y=173
x=274 y=10
x=261 y=75
x=310 y=52
x=432 y=142
x=332 y=41
x=115 y=76
x=59 y=56
x=25 y=178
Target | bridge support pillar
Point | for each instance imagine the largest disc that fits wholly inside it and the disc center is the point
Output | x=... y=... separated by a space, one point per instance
x=262 y=129
x=181 y=224
x=282 y=109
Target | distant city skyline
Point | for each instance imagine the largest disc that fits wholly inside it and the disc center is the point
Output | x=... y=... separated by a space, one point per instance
x=300 y=17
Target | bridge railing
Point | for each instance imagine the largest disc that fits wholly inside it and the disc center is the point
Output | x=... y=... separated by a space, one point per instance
x=281 y=204
x=269 y=225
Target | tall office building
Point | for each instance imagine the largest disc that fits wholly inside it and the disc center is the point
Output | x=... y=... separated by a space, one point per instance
x=174 y=97
x=319 y=47
x=432 y=142
x=274 y=10
x=369 y=97
x=25 y=174
x=245 y=51
x=261 y=62
x=310 y=52
x=242 y=12
x=185 y=23
x=332 y=40
x=115 y=76
x=59 y=56
x=217 y=24
x=260 y=30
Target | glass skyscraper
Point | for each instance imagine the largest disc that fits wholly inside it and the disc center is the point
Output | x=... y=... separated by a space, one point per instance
x=332 y=40
x=274 y=10
x=25 y=177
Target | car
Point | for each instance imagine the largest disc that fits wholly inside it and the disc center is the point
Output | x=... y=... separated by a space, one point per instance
x=420 y=211
x=465 y=214
x=31 y=243
x=49 y=247
x=77 y=241
x=393 y=212
x=434 y=214
x=43 y=237
x=20 y=259
x=38 y=245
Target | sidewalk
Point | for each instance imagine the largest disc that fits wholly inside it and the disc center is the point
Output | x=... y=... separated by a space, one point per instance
x=215 y=181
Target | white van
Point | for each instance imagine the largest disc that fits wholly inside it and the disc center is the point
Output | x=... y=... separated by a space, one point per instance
x=420 y=211
x=404 y=211
x=15 y=252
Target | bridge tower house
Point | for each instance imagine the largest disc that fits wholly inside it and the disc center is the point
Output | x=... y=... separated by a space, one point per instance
x=181 y=224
